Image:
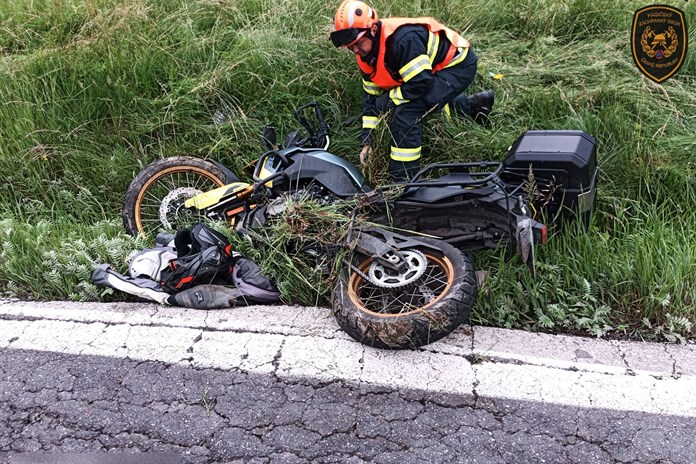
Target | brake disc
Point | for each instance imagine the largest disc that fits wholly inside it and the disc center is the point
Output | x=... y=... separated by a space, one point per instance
x=416 y=264
x=173 y=202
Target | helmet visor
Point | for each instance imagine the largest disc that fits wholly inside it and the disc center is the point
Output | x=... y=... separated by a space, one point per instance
x=346 y=37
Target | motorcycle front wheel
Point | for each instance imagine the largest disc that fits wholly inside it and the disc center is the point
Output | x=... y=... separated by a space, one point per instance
x=429 y=301
x=154 y=200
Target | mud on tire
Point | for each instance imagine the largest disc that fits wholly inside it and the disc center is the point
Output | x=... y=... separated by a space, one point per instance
x=443 y=300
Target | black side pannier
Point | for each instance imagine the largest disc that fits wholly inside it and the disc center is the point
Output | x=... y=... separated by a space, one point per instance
x=564 y=163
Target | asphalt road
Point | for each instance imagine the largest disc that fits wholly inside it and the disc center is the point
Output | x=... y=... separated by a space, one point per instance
x=262 y=387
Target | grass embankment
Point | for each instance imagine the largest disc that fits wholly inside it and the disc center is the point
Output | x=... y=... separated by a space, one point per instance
x=94 y=90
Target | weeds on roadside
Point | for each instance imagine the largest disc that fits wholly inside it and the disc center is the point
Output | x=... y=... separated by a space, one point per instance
x=50 y=260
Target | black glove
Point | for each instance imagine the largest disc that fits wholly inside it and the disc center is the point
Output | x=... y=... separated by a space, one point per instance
x=383 y=103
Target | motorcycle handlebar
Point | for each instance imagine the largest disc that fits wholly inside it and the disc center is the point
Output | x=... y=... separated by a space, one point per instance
x=322 y=129
x=261 y=183
x=262 y=160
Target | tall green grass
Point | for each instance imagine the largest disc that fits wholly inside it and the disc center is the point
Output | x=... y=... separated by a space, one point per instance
x=94 y=90
x=52 y=259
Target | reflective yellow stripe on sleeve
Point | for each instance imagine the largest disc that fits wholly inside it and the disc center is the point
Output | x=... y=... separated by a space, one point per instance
x=369 y=122
x=372 y=88
x=415 y=66
x=458 y=58
x=433 y=44
x=405 y=154
x=397 y=97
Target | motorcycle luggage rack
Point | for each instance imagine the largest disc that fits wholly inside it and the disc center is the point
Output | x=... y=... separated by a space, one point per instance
x=474 y=178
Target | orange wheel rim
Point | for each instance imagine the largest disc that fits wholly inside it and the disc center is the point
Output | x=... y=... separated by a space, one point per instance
x=355 y=280
x=174 y=169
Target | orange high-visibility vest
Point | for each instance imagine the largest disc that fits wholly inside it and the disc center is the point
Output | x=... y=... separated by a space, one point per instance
x=379 y=74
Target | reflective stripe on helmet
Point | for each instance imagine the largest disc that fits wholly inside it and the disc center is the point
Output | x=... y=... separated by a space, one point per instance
x=354 y=14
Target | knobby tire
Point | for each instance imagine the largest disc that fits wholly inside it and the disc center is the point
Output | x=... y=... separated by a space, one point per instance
x=416 y=326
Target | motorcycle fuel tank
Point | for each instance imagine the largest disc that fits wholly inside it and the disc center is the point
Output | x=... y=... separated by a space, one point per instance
x=337 y=175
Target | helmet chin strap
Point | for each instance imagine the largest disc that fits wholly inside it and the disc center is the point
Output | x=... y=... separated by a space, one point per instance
x=372 y=57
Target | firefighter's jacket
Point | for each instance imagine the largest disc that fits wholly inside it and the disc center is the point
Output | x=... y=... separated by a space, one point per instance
x=405 y=54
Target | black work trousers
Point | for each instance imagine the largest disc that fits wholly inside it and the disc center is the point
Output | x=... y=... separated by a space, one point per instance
x=405 y=119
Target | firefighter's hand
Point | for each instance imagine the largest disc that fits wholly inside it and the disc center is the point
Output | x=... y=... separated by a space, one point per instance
x=363 y=155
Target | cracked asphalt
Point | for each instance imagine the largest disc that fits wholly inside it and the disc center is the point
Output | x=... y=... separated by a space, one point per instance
x=284 y=385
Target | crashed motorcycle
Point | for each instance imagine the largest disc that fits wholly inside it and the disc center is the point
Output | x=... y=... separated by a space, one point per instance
x=409 y=279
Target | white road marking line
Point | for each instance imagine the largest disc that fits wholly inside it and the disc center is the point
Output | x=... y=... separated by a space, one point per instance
x=325 y=358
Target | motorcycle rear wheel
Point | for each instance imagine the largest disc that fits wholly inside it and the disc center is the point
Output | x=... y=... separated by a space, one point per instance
x=411 y=316
x=155 y=198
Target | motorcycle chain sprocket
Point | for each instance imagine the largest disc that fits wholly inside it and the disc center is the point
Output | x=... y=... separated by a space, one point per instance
x=379 y=284
x=408 y=254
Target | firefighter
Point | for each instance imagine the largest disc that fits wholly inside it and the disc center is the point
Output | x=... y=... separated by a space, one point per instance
x=411 y=67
